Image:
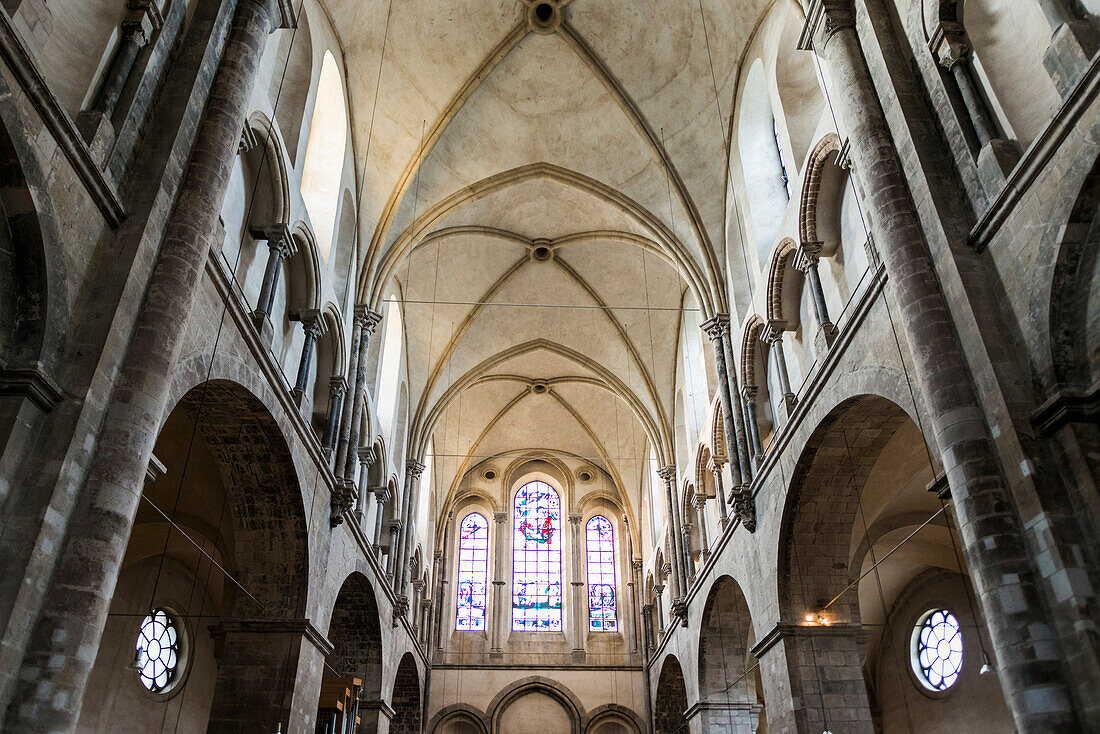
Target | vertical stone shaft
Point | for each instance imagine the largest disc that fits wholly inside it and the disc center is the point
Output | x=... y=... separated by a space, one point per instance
x=277 y=249
x=312 y=329
x=701 y=514
x=821 y=310
x=715 y=328
x=337 y=387
x=679 y=580
x=775 y=339
x=366 y=320
x=348 y=401
x=62 y=646
x=749 y=395
x=720 y=490
x=742 y=453
x=1029 y=666
x=391 y=560
x=382 y=496
x=580 y=619
x=499 y=543
x=413 y=470
x=133 y=39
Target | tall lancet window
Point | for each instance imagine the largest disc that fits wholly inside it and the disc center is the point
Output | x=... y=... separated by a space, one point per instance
x=473 y=572
x=536 y=559
x=599 y=541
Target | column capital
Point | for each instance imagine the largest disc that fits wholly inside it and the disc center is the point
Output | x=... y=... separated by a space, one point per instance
x=808 y=255
x=500 y=517
x=282 y=11
x=824 y=19
x=636 y=564
x=715 y=465
x=658 y=589
x=414 y=468
x=948 y=43
x=395 y=525
x=716 y=327
x=365 y=318
x=749 y=392
x=278 y=238
x=337 y=386
x=575 y=518
x=312 y=320
x=366 y=455
x=773 y=332
x=668 y=473
x=382 y=494
x=248 y=141
x=144 y=11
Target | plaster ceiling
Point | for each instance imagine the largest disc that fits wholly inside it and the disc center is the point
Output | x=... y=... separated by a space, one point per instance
x=600 y=140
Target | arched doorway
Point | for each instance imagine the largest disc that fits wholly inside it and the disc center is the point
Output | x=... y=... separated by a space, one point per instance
x=670 y=703
x=351 y=686
x=406 y=698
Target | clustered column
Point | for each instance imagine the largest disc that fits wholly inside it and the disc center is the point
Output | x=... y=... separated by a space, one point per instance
x=337 y=388
x=344 y=468
x=56 y=664
x=143 y=19
x=500 y=520
x=1029 y=654
x=579 y=617
x=773 y=336
x=413 y=470
x=676 y=548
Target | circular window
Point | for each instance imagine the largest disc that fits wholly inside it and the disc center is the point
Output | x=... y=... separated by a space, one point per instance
x=158 y=651
x=937 y=653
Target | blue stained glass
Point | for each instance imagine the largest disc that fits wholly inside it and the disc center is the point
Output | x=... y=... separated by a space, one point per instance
x=536 y=559
x=599 y=539
x=473 y=572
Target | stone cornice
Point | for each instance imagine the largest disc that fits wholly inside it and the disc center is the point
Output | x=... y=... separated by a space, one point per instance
x=33 y=383
x=303 y=627
x=786 y=630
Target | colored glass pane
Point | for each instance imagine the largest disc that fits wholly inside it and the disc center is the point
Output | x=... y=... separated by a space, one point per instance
x=473 y=571
x=937 y=650
x=599 y=540
x=536 y=559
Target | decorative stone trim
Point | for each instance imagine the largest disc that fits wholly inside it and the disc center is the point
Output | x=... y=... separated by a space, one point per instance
x=303 y=627
x=32 y=383
x=785 y=630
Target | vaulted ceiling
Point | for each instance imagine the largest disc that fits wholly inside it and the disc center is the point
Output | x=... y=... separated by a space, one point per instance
x=545 y=190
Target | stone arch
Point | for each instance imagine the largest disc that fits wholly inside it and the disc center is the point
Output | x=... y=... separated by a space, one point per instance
x=536 y=686
x=613 y=719
x=271 y=165
x=355 y=631
x=292 y=61
x=458 y=718
x=797 y=86
x=822 y=155
x=406 y=698
x=727 y=688
x=822 y=504
x=670 y=702
x=784 y=285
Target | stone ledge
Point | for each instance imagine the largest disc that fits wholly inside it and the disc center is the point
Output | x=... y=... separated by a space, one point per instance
x=785 y=630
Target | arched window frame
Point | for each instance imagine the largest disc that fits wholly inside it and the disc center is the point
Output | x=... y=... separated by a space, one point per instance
x=599 y=551
x=533 y=566
x=472 y=578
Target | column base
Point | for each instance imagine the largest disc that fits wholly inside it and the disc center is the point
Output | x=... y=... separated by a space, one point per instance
x=1070 y=53
x=995 y=163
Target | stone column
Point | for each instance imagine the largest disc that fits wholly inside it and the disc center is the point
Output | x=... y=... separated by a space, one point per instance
x=381 y=497
x=500 y=520
x=717 y=328
x=773 y=336
x=337 y=387
x=657 y=590
x=280 y=246
x=580 y=617
x=439 y=597
x=748 y=393
x=391 y=558
x=143 y=19
x=635 y=584
x=363 y=495
x=997 y=156
x=689 y=555
x=813 y=678
x=716 y=469
x=413 y=470
x=741 y=450
x=1029 y=652
x=808 y=255
x=647 y=624
x=701 y=515
x=679 y=585
x=313 y=325
x=417 y=611
x=365 y=321
x=348 y=406
x=60 y=649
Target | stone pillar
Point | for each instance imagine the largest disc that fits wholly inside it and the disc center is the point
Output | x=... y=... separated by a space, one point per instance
x=716 y=469
x=679 y=582
x=774 y=338
x=997 y=156
x=497 y=621
x=727 y=717
x=313 y=325
x=1029 y=652
x=61 y=647
x=381 y=497
x=143 y=19
x=439 y=597
x=365 y=321
x=417 y=611
x=813 y=678
x=337 y=387
x=808 y=255
x=269 y=674
x=657 y=590
x=748 y=394
x=1073 y=43
x=363 y=494
x=348 y=405
x=740 y=451
x=717 y=328
x=413 y=470
x=580 y=616
x=280 y=246
x=635 y=585
x=701 y=515
x=647 y=624
x=391 y=558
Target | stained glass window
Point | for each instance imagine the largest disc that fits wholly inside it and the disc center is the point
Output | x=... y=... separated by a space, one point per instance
x=536 y=559
x=473 y=571
x=159 y=644
x=599 y=541
x=937 y=650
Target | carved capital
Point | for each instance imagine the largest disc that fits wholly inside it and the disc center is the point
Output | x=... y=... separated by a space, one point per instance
x=824 y=19
x=337 y=386
x=948 y=43
x=414 y=469
x=366 y=455
x=773 y=332
x=716 y=327
x=668 y=473
x=575 y=518
x=500 y=517
x=313 y=321
x=366 y=319
x=278 y=238
x=744 y=506
x=343 y=499
x=808 y=255
x=249 y=140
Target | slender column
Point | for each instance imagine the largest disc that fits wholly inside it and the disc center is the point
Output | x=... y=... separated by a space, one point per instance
x=743 y=453
x=337 y=387
x=280 y=246
x=635 y=585
x=580 y=618
x=807 y=261
x=381 y=497
x=497 y=622
x=391 y=559
x=348 y=405
x=313 y=325
x=668 y=474
x=748 y=393
x=657 y=589
x=774 y=338
x=716 y=469
x=59 y=656
x=417 y=608
x=366 y=320
x=647 y=624
x=439 y=596
x=717 y=328
x=701 y=513
x=143 y=19
x=413 y=470
x=363 y=496
x=1032 y=675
